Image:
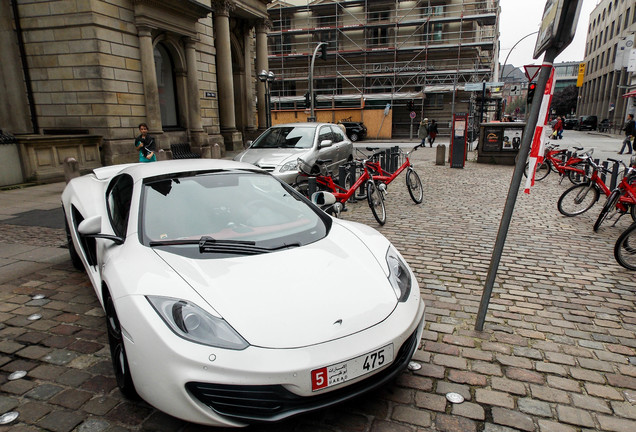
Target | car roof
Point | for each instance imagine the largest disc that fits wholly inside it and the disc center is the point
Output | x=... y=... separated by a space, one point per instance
x=152 y=169
x=303 y=124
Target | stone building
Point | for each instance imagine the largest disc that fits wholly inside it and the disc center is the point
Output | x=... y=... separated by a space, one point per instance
x=78 y=76
x=608 y=74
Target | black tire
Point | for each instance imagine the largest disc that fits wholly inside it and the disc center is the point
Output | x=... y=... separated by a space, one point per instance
x=608 y=207
x=577 y=178
x=376 y=202
x=632 y=212
x=542 y=171
x=354 y=137
x=118 y=351
x=578 y=199
x=361 y=192
x=414 y=185
x=625 y=248
x=75 y=258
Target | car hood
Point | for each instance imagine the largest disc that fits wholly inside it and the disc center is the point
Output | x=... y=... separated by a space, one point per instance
x=270 y=157
x=297 y=297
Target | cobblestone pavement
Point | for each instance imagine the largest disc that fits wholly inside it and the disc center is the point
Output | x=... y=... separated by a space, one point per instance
x=557 y=352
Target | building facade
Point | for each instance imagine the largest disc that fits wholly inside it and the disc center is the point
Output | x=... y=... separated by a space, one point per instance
x=608 y=77
x=92 y=71
x=410 y=56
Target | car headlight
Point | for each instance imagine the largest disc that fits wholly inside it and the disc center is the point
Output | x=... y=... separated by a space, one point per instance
x=399 y=275
x=290 y=166
x=192 y=323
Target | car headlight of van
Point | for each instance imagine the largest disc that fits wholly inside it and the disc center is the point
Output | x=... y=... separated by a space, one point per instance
x=192 y=323
x=290 y=166
x=399 y=275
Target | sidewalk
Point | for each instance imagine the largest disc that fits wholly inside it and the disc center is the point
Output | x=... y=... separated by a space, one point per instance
x=557 y=354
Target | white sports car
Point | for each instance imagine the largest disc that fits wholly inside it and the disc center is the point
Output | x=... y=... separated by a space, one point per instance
x=230 y=298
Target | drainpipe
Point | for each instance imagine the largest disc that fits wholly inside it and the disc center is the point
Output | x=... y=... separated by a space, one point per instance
x=25 y=67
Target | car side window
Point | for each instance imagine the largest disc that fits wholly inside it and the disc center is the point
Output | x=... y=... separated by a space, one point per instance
x=338 y=136
x=325 y=134
x=118 y=198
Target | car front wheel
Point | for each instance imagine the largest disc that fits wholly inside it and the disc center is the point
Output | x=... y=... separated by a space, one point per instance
x=118 y=351
x=354 y=137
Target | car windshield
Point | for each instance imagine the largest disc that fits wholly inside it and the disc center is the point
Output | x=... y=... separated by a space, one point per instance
x=286 y=137
x=226 y=207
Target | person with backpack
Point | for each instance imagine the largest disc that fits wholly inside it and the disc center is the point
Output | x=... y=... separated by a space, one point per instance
x=629 y=134
x=422 y=132
x=432 y=132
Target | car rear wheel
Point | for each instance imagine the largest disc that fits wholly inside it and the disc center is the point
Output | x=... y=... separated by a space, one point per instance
x=118 y=351
x=354 y=137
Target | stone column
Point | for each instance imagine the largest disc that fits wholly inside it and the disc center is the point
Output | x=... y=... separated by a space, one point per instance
x=194 y=99
x=149 y=76
x=224 y=75
x=262 y=28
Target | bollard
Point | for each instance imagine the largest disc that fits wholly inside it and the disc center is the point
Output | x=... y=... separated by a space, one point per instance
x=71 y=168
x=216 y=151
x=206 y=151
x=440 y=155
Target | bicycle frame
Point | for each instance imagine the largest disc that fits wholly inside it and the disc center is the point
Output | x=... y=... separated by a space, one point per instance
x=561 y=166
x=387 y=177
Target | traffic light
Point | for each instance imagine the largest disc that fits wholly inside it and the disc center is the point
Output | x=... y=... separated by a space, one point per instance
x=307 y=100
x=531 y=88
x=323 y=51
x=410 y=105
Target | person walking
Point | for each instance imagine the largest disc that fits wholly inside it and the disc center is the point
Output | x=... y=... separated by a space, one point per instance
x=629 y=134
x=558 y=127
x=432 y=132
x=422 y=132
x=145 y=144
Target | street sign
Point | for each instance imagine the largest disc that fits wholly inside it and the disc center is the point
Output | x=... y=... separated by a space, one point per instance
x=557 y=25
x=473 y=86
x=532 y=71
x=386 y=109
x=581 y=74
x=412 y=115
x=515 y=90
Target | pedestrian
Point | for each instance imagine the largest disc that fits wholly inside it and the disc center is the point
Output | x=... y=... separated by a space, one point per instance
x=422 y=132
x=558 y=127
x=432 y=132
x=145 y=144
x=629 y=134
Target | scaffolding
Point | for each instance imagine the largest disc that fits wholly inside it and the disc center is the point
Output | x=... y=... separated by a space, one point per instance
x=381 y=51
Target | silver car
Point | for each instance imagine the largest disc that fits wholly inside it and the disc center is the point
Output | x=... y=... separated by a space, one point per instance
x=278 y=148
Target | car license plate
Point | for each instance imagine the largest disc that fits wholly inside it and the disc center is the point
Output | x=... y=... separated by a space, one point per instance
x=350 y=369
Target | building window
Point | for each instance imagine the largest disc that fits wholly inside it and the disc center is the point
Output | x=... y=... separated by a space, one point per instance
x=627 y=18
x=434 y=101
x=326 y=31
x=164 y=67
x=378 y=36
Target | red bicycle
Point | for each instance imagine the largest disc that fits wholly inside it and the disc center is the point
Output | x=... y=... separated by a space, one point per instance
x=325 y=182
x=413 y=182
x=614 y=207
x=554 y=160
x=580 y=198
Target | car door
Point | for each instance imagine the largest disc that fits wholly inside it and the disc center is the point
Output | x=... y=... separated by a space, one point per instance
x=345 y=148
x=330 y=152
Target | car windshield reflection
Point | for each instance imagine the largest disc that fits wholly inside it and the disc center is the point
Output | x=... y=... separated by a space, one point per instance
x=226 y=206
x=286 y=137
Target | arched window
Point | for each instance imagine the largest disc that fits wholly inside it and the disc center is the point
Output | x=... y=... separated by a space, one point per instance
x=166 y=85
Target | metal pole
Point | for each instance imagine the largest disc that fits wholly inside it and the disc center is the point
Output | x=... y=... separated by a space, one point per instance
x=528 y=135
x=483 y=101
x=312 y=117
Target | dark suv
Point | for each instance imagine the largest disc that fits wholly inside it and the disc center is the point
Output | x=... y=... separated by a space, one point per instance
x=355 y=130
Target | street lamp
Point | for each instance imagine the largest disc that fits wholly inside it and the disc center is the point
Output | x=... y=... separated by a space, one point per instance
x=266 y=78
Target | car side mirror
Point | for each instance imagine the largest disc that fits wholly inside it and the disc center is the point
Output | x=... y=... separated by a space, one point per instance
x=92 y=227
x=323 y=198
x=248 y=144
x=325 y=143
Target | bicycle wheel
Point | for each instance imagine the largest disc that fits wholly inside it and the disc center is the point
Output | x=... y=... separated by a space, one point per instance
x=302 y=186
x=361 y=192
x=376 y=202
x=577 y=178
x=632 y=212
x=542 y=171
x=625 y=248
x=414 y=185
x=609 y=206
x=578 y=199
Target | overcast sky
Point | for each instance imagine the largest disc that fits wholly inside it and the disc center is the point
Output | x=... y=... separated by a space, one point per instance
x=521 y=17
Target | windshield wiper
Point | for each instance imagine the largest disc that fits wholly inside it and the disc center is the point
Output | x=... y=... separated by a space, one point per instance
x=209 y=244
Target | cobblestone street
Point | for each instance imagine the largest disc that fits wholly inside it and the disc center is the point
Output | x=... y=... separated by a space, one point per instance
x=557 y=354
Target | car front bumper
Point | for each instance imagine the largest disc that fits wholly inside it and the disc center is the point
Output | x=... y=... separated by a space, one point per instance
x=208 y=385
